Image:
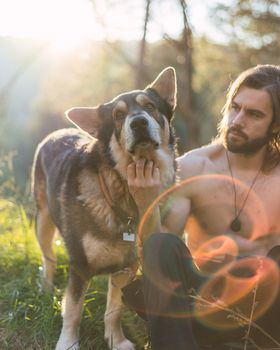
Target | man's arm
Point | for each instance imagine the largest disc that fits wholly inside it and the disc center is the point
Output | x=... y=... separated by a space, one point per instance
x=145 y=187
x=175 y=216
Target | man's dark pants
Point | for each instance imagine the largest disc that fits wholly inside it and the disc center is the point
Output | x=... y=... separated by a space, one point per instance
x=170 y=280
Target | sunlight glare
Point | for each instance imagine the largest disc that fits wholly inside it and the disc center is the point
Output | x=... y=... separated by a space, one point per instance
x=64 y=23
x=69 y=24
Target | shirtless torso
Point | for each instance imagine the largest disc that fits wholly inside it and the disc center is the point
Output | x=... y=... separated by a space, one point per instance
x=208 y=202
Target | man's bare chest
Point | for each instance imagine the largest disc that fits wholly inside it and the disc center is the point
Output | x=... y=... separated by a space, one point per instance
x=215 y=203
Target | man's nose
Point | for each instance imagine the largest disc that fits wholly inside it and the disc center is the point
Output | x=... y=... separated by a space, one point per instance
x=238 y=118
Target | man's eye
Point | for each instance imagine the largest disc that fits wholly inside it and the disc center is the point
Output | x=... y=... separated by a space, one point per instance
x=149 y=107
x=255 y=115
x=234 y=107
x=120 y=115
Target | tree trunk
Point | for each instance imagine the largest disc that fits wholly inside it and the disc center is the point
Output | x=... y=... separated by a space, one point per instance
x=140 y=69
x=187 y=105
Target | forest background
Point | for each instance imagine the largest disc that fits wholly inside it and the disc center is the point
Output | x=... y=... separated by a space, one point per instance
x=118 y=46
x=40 y=78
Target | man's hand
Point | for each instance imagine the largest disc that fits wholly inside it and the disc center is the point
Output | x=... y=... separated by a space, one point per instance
x=144 y=183
x=255 y=246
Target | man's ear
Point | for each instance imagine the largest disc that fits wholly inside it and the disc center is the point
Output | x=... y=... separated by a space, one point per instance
x=88 y=119
x=166 y=86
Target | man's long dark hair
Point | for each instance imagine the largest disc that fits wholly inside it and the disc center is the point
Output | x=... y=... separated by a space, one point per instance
x=262 y=77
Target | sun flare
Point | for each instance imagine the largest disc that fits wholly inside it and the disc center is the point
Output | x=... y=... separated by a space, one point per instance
x=68 y=24
x=64 y=23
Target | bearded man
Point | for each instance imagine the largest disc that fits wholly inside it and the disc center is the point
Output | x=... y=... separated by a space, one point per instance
x=220 y=288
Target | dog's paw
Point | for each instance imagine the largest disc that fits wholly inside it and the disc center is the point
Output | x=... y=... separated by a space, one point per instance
x=118 y=342
x=64 y=344
x=124 y=345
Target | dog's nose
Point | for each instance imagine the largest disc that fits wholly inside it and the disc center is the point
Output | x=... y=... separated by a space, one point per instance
x=139 y=123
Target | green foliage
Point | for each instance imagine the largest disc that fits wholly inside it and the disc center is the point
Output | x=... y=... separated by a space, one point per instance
x=8 y=184
x=210 y=83
x=253 y=30
x=31 y=319
x=11 y=187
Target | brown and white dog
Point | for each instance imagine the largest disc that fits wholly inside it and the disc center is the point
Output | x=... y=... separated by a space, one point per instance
x=80 y=188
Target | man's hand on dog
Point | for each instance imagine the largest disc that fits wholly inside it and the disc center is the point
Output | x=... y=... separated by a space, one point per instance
x=143 y=179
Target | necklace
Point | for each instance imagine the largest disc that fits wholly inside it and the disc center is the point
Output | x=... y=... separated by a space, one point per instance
x=235 y=224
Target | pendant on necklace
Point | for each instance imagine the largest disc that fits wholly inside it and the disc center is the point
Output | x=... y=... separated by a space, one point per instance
x=235 y=225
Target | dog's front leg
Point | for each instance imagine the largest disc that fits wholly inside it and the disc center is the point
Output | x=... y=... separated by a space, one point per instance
x=72 y=312
x=113 y=331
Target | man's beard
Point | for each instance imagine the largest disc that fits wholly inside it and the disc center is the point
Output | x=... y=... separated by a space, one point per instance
x=248 y=146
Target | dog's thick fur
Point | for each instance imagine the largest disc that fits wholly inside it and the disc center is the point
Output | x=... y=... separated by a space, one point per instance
x=70 y=196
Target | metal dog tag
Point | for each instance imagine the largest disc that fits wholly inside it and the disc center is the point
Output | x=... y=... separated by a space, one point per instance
x=128 y=237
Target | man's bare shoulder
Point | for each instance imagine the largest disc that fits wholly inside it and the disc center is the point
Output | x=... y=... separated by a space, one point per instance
x=195 y=162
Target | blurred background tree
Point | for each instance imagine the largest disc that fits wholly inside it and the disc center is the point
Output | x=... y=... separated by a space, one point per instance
x=138 y=39
x=253 y=29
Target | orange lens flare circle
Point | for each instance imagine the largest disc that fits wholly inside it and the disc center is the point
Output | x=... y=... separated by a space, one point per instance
x=215 y=254
x=226 y=300
x=239 y=293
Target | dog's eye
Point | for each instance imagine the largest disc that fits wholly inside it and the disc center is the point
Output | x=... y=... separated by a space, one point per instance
x=119 y=115
x=149 y=107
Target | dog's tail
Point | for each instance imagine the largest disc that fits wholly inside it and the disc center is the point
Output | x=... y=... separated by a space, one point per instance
x=38 y=181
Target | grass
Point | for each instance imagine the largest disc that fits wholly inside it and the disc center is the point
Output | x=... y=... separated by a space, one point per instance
x=30 y=319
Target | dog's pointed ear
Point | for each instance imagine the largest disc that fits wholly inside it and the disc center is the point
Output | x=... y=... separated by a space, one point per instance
x=166 y=86
x=86 y=118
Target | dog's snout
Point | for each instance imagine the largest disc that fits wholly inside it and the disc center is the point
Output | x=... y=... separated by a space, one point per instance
x=139 y=123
